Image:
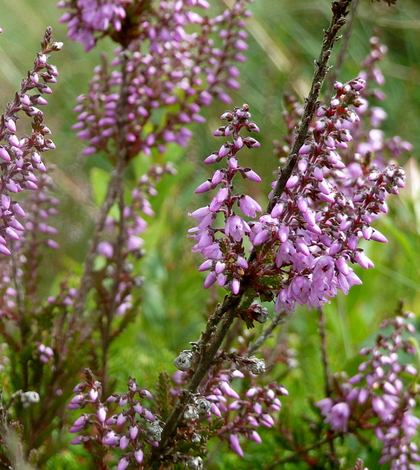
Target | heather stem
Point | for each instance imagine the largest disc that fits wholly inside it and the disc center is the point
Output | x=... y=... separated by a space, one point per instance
x=340 y=11
x=23 y=325
x=332 y=77
x=326 y=367
x=85 y=283
x=230 y=307
x=110 y=312
x=113 y=190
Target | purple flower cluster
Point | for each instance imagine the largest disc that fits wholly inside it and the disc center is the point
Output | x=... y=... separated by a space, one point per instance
x=371 y=147
x=131 y=242
x=304 y=246
x=221 y=399
x=45 y=353
x=130 y=429
x=88 y=17
x=162 y=66
x=324 y=212
x=20 y=155
x=40 y=205
x=379 y=397
x=252 y=411
x=223 y=247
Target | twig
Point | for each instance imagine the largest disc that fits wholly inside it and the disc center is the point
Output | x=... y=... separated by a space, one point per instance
x=114 y=189
x=342 y=53
x=266 y=333
x=340 y=11
x=325 y=364
x=109 y=314
x=230 y=307
x=122 y=156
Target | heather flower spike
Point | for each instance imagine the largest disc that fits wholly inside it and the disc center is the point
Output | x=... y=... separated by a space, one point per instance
x=312 y=232
x=132 y=429
x=160 y=64
x=20 y=154
x=225 y=255
x=380 y=397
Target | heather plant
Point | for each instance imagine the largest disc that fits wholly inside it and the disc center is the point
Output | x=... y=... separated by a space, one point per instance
x=264 y=264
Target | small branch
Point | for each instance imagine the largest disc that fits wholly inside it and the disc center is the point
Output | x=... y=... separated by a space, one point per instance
x=340 y=11
x=342 y=53
x=86 y=280
x=109 y=314
x=122 y=159
x=114 y=189
x=209 y=350
x=325 y=364
x=279 y=318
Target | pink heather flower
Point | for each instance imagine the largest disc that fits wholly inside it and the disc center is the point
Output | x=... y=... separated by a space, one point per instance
x=138 y=455
x=228 y=390
x=234 y=443
x=248 y=206
x=338 y=417
x=78 y=440
x=123 y=464
x=106 y=249
x=204 y=187
x=235 y=286
x=236 y=227
x=210 y=280
x=111 y=439
x=101 y=414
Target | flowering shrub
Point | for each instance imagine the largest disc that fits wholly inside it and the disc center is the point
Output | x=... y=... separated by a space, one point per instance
x=235 y=385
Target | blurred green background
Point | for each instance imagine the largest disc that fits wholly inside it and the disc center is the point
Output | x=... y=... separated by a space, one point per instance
x=284 y=40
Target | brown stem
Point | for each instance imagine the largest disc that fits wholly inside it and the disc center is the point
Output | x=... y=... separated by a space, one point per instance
x=109 y=314
x=24 y=328
x=342 y=53
x=340 y=11
x=209 y=350
x=114 y=189
x=325 y=364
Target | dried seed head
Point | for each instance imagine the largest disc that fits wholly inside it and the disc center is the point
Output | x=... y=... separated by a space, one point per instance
x=255 y=365
x=202 y=405
x=154 y=431
x=190 y=413
x=184 y=360
x=195 y=463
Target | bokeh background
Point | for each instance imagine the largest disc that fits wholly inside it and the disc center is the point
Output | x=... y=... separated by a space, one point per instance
x=284 y=40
